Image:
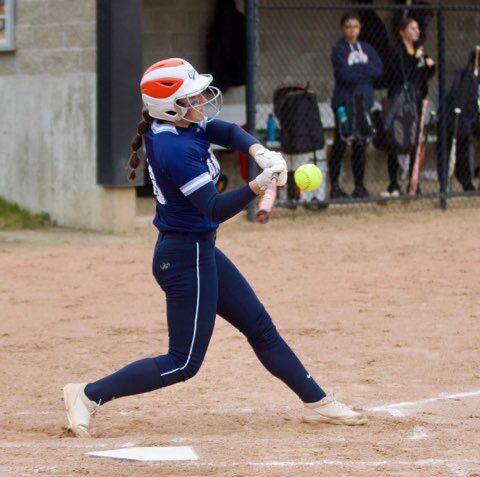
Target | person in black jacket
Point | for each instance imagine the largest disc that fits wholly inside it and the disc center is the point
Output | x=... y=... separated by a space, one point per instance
x=408 y=62
x=226 y=40
x=464 y=95
x=356 y=66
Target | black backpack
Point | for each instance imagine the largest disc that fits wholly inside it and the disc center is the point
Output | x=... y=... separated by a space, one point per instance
x=401 y=118
x=362 y=128
x=296 y=108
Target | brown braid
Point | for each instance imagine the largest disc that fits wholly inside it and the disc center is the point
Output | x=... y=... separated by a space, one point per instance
x=136 y=144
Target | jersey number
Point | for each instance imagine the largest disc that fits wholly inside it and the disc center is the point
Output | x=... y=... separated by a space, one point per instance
x=156 y=190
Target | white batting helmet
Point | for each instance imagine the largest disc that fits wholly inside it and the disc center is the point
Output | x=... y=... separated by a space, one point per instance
x=167 y=81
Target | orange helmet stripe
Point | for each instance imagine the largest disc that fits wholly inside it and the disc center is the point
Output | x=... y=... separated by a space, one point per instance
x=161 y=88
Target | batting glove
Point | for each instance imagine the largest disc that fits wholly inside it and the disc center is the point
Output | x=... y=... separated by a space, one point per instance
x=282 y=178
x=264 y=179
x=266 y=158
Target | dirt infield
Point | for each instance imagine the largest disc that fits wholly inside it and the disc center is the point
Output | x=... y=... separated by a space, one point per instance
x=381 y=309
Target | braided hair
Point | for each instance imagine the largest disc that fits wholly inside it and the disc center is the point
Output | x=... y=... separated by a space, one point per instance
x=136 y=144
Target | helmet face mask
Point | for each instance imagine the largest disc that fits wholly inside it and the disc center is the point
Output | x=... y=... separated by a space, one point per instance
x=167 y=87
x=204 y=106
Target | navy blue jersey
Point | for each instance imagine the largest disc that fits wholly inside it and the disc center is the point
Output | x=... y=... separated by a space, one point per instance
x=180 y=161
x=356 y=67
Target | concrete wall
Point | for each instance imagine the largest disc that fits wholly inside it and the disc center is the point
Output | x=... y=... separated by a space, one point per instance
x=48 y=118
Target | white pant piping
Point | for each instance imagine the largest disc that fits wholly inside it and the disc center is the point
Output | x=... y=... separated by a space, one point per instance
x=196 y=317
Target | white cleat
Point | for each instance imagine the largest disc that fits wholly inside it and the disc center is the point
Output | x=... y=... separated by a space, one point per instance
x=330 y=411
x=79 y=409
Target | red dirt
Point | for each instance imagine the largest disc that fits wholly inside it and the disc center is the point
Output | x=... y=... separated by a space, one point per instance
x=381 y=309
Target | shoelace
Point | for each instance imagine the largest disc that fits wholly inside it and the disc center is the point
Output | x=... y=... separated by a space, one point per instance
x=338 y=404
x=96 y=407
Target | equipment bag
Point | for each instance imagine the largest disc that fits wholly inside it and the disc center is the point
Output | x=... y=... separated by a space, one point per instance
x=382 y=139
x=361 y=127
x=401 y=118
x=296 y=108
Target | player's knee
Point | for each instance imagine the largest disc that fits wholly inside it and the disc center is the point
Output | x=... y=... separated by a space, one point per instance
x=191 y=363
x=264 y=335
x=191 y=369
x=183 y=366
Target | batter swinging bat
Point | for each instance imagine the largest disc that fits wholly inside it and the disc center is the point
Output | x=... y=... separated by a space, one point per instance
x=266 y=203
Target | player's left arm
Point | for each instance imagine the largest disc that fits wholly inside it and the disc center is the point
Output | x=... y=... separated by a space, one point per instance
x=193 y=180
x=232 y=136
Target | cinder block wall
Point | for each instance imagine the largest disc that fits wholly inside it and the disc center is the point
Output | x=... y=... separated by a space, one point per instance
x=48 y=118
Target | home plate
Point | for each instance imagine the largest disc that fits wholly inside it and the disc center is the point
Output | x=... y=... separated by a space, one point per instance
x=150 y=454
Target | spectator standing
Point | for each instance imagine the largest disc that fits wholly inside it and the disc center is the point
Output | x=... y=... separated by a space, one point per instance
x=356 y=66
x=408 y=62
x=464 y=94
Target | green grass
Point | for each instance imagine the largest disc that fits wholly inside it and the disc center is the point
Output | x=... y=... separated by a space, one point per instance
x=13 y=217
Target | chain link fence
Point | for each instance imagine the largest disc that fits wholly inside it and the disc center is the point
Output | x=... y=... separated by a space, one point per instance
x=384 y=99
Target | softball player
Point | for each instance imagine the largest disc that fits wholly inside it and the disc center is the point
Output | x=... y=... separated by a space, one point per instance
x=198 y=279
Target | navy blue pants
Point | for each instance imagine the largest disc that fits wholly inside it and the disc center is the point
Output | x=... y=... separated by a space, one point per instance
x=200 y=282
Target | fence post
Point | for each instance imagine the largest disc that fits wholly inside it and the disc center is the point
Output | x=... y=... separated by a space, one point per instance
x=442 y=155
x=251 y=13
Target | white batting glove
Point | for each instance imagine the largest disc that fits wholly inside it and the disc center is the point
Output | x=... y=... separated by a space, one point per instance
x=266 y=158
x=264 y=179
x=282 y=177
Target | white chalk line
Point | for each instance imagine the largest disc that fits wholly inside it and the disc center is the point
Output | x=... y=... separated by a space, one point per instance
x=451 y=464
x=362 y=463
x=395 y=408
x=457 y=467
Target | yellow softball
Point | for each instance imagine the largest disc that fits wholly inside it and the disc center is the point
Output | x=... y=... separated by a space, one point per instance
x=308 y=177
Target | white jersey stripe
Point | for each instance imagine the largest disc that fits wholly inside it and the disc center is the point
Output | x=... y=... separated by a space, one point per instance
x=162 y=127
x=196 y=183
x=196 y=318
